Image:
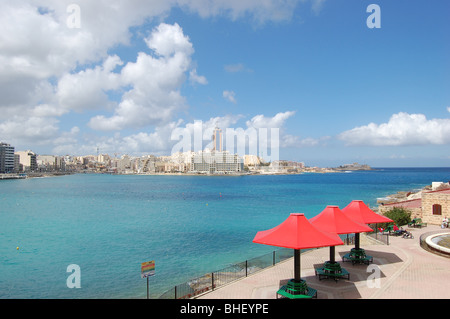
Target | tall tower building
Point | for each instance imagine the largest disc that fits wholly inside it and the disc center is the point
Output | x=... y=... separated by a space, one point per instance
x=6 y=158
x=217 y=140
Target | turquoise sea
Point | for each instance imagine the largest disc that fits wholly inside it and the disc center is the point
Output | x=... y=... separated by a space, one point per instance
x=190 y=225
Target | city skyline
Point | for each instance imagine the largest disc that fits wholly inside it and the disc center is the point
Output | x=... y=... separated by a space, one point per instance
x=342 y=81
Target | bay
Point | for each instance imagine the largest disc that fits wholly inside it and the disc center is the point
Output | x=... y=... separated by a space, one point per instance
x=190 y=225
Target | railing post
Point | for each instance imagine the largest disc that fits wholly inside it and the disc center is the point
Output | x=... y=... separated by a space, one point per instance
x=246 y=267
x=212 y=281
x=273 y=258
x=175 y=292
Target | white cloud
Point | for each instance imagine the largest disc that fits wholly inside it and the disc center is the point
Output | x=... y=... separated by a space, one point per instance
x=159 y=142
x=155 y=82
x=23 y=129
x=170 y=137
x=230 y=96
x=448 y=109
x=402 y=129
x=317 y=5
x=167 y=40
x=261 y=121
x=48 y=70
x=261 y=11
x=290 y=141
x=278 y=121
x=86 y=90
x=195 y=78
x=235 y=68
x=36 y=43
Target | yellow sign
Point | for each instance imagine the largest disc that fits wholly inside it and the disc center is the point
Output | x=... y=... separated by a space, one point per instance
x=148 y=269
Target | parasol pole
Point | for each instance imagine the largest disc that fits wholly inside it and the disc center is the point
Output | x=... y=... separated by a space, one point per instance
x=332 y=253
x=297 y=265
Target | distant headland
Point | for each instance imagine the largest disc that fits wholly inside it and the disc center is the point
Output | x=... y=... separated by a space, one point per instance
x=354 y=167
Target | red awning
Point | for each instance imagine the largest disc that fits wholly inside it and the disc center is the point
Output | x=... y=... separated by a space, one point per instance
x=359 y=212
x=333 y=220
x=297 y=232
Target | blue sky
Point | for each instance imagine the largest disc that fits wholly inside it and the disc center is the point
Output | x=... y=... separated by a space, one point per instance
x=129 y=75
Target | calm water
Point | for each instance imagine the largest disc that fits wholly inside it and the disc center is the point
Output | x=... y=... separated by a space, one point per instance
x=109 y=225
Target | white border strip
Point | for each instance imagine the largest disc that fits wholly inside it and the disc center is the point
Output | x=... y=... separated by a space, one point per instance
x=437 y=247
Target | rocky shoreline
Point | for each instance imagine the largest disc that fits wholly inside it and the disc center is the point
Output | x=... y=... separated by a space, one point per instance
x=33 y=175
x=402 y=196
x=354 y=167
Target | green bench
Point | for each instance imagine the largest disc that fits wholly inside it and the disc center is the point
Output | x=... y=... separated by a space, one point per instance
x=310 y=293
x=327 y=273
x=297 y=290
x=357 y=256
x=389 y=229
x=413 y=222
x=417 y=222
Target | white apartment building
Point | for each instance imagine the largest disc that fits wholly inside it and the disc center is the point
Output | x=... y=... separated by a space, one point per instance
x=251 y=160
x=50 y=163
x=213 y=162
x=28 y=160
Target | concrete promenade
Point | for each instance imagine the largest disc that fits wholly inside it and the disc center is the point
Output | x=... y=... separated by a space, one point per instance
x=407 y=271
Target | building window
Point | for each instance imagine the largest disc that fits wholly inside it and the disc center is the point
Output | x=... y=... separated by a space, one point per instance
x=437 y=209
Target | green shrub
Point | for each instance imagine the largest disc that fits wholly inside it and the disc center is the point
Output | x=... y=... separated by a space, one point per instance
x=399 y=215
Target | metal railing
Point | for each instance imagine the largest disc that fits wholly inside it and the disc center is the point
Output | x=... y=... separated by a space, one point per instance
x=213 y=280
x=381 y=237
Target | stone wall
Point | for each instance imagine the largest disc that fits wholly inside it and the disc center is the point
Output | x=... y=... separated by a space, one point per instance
x=430 y=199
x=416 y=212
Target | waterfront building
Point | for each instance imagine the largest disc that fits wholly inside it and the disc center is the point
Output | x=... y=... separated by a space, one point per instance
x=431 y=206
x=148 y=164
x=182 y=158
x=17 y=166
x=49 y=163
x=288 y=166
x=6 y=158
x=213 y=162
x=103 y=158
x=28 y=160
x=217 y=139
x=124 y=164
x=251 y=160
x=436 y=206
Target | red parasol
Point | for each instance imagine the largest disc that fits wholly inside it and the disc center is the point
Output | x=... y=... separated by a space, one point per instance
x=333 y=220
x=297 y=232
x=359 y=212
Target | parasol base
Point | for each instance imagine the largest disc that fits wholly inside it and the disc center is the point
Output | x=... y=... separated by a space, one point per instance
x=333 y=270
x=332 y=267
x=357 y=256
x=297 y=289
x=358 y=252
